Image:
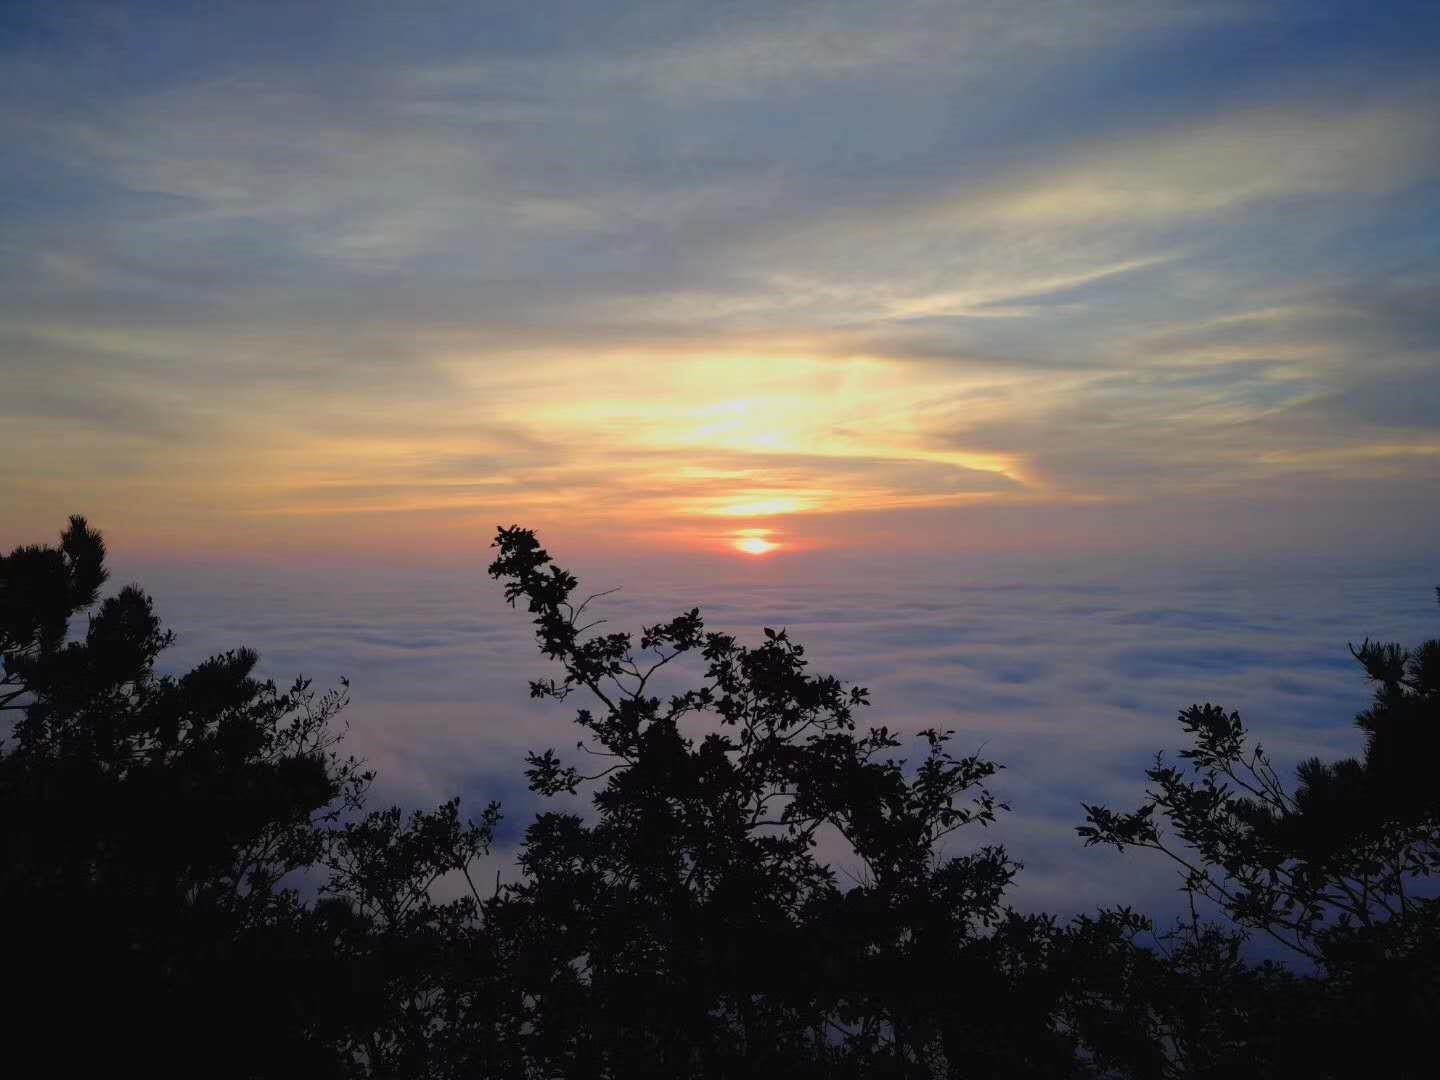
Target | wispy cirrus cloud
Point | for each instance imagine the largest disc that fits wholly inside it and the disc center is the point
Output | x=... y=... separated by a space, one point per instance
x=674 y=264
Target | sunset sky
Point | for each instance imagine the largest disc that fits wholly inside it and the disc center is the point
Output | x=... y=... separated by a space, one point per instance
x=372 y=277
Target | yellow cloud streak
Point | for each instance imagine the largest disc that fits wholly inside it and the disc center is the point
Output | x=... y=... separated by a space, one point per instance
x=817 y=415
x=637 y=439
x=815 y=405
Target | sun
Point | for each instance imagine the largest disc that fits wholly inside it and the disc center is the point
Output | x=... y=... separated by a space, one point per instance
x=755 y=545
x=755 y=542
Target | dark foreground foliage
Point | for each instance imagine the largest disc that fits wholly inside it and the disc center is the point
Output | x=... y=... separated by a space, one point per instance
x=192 y=883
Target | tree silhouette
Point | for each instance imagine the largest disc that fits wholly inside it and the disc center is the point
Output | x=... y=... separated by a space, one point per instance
x=690 y=928
x=1340 y=870
x=192 y=882
x=159 y=834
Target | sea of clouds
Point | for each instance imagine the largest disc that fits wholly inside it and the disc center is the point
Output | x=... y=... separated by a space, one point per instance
x=1073 y=686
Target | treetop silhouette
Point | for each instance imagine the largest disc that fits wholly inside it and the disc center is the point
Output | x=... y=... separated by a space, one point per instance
x=193 y=881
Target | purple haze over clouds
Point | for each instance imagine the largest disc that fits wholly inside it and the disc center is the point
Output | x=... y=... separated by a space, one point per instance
x=1071 y=684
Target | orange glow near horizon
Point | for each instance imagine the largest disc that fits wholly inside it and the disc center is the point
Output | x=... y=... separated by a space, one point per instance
x=665 y=446
x=745 y=437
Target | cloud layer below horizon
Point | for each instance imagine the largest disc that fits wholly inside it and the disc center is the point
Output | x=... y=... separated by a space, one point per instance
x=374 y=275
x=1072 y=684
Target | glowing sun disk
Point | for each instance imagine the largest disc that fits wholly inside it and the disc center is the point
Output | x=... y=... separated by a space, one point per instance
x=755 y=545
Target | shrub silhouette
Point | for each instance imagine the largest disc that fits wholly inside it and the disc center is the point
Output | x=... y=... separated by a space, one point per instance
x=1341 y=870
x=192 y=882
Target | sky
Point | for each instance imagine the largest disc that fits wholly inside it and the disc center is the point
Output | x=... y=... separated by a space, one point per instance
x=805 y=281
